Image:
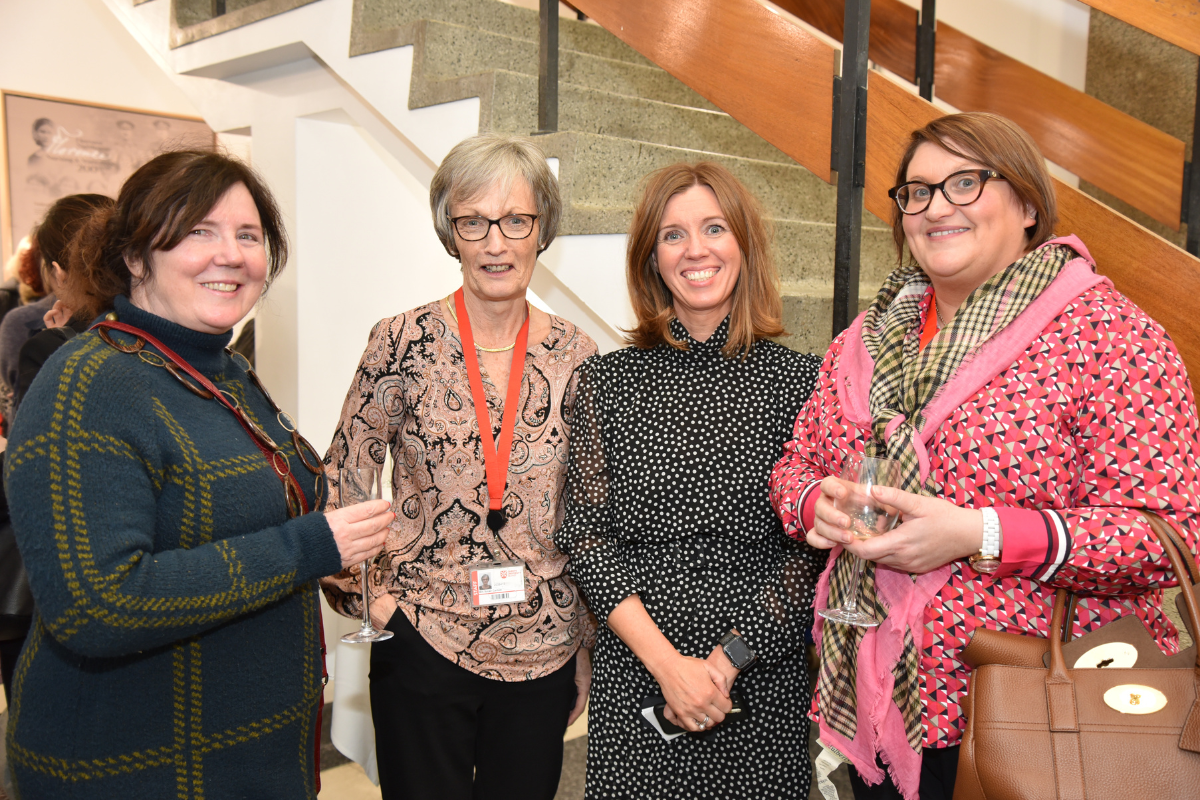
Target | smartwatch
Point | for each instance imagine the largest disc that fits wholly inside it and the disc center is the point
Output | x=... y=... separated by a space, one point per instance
x=737 y=651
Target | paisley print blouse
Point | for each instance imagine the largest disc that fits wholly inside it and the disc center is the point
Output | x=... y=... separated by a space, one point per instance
x=411 y=396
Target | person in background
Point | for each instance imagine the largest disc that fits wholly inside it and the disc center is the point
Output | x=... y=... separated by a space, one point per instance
x=472 y=696
x=21 y=323
x=54 y=237
x=1034 y=410
x=668 y=526
x=169 y=515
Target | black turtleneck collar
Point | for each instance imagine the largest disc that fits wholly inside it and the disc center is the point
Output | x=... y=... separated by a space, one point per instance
x=204 y=351
x=710 y=347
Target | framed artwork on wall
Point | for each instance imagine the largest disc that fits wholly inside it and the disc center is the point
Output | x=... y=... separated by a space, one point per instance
x=54 y=147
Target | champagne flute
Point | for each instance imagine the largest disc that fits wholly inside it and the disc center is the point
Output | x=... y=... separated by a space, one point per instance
x=868 y=517
x=358 y=485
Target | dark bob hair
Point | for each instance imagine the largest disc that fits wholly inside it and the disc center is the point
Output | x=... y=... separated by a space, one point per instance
x=158 y=206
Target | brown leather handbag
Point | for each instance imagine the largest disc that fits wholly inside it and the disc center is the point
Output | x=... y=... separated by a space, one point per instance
x=1085 y=727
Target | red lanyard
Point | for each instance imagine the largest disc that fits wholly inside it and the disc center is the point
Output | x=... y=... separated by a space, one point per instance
x=497 y=472
x=297 y=505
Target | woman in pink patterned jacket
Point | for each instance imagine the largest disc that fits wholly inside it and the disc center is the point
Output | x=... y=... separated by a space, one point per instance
x=1021 y=392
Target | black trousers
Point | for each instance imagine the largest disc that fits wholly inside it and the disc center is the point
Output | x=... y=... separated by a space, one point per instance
x=444 y=733
x=939 y=767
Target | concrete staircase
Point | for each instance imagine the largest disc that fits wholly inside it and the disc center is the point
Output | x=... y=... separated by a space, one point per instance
x=619 y=117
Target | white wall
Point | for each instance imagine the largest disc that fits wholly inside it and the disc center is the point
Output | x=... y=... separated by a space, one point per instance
x=367 y=250
x=1048 y=35
x=77 y=50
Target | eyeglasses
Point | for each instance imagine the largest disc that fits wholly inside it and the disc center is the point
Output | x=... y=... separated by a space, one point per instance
x=514 y=226
x=960 y=189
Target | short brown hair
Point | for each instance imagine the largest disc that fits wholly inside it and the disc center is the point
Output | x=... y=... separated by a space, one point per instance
x=997 y=143
x=158 y=205
x=757 y=308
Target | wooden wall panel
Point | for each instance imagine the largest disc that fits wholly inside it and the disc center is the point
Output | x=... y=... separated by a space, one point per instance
x=744 y=58
x=893 y=42
x=1177 y=21
x=1120 y=154
x=1155 y=274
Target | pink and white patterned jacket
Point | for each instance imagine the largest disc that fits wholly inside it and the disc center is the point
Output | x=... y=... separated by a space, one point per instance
x=1092 y=421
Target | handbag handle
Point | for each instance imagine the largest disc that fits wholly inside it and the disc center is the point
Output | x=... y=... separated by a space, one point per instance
x=1060 y=688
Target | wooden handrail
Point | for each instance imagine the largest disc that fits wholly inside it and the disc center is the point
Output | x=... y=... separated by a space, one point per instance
x=709 y=51
x=1116 y=152
x=1177 y=21
x=691 y=35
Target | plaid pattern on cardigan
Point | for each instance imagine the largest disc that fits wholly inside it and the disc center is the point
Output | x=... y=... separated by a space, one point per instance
x=176 y=651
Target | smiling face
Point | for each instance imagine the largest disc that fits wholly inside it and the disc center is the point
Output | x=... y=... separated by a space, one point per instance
x=496 y=268
x=698 y=258
x=960 y=247
x=210 y=280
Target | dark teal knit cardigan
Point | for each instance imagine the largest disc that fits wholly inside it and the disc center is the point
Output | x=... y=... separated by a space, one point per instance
x=176 y=650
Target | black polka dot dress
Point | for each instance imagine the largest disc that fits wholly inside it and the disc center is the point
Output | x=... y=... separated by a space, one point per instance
x=670 y=455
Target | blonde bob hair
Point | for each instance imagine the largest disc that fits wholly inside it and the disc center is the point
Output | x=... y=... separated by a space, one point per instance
x=997 y=143
x=757 y=308
x=477 y=164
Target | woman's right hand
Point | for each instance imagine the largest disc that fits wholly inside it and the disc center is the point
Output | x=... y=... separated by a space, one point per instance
x=831 y=527
x=690 y=687
x=360 y=530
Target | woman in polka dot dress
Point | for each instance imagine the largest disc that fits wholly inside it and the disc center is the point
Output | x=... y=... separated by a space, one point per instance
x=669 y=529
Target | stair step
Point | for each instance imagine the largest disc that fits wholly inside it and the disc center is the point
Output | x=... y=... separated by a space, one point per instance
x=508 y=104
x=372 y=18
x=807 y=319
x=453 y=51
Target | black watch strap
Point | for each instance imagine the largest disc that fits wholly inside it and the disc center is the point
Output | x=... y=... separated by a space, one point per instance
x=737 y=651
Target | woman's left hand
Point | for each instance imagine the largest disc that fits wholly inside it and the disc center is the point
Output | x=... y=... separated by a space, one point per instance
x=583 y=682
x=932 y=532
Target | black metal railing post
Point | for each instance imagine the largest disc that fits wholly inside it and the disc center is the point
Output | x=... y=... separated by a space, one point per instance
x=926 y=47
x=1190 y=208
x=850 y=143
x=548 y=69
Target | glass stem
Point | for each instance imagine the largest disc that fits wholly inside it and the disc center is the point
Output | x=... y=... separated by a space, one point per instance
x=366 y=621
x=851 y=603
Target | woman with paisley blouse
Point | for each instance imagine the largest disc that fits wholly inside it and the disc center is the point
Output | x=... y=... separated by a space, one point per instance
x=473 y=694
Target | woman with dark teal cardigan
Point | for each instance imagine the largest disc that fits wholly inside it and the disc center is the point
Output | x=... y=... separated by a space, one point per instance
x=177 y=646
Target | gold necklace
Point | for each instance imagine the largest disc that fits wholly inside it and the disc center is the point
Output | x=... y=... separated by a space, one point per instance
x=449 y=300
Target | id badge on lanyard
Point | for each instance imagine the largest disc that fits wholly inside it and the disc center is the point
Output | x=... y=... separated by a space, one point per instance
x=496 y=582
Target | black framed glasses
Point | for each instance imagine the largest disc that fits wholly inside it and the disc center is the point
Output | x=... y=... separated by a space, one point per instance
x=960 y=188
x=513 y=226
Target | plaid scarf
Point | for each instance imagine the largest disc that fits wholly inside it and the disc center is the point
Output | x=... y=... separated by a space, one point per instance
x=905 y=380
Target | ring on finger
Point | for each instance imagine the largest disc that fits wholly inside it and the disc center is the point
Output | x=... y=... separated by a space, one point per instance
x=704 y=724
